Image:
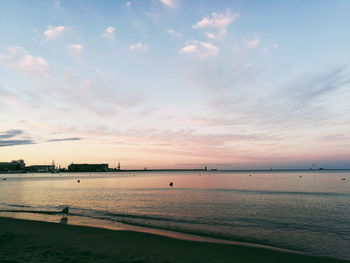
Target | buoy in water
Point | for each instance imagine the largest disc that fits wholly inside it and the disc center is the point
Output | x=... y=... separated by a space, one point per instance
x=171 y=184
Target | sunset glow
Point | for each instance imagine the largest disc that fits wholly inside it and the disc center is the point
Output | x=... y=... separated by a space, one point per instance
x=176 y=84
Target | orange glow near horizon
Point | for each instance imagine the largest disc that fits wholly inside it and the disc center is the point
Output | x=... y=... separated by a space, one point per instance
x=139 y=157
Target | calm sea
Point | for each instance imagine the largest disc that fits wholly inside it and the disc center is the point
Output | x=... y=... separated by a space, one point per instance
x=303 y=211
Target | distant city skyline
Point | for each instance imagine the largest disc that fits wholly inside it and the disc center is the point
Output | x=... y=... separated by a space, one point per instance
x=229 y=84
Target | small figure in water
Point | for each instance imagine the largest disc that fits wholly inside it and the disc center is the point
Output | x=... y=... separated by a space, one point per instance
x=65 y=211
x=171 y=184
x=78 y=181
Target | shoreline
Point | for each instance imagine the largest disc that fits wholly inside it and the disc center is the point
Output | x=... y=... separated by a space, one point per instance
x=38 y=241
x=75 y=220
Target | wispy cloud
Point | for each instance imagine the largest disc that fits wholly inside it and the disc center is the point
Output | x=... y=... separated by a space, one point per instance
x=253 y=43
x=217 y=21
x=188 y=49
x=213 y=121
x=109 y=32
x=19 y=137
x=200 y=49
x=128 y=4
x=65 y=139
x=213 y=36
x=209 y=49
x=75 y=50
x=138 y=47
x=6 y=143
x=10 y=134
x=103 y=94
x=303 y=101
x=169 y=3
x=205 y=146
x=173 y=32
x=304 y=89
x=20 y=59
x=54 y=32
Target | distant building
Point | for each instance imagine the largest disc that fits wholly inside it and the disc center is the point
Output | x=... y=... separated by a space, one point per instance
x=86 y=167
x=14 y=165
x=41 y=168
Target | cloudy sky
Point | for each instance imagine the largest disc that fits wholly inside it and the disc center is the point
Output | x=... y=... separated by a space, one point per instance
x=176 y=83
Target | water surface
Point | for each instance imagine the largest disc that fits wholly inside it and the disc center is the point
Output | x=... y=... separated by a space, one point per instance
x=303 y=211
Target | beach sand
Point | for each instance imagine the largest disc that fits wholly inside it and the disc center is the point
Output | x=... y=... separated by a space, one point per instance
x=35 y=241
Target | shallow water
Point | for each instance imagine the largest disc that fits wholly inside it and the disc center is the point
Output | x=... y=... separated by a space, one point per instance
x=304 y=211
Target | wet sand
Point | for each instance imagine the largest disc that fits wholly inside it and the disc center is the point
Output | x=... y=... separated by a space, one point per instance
x=35 y=241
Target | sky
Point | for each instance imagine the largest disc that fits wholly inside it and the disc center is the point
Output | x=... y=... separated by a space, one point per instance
x=231 y=84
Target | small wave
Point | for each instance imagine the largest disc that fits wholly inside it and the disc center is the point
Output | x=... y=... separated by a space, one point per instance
x=30 y=211
x=112 y=216
x=13 y=205
x=266 y=192
x=246 y=191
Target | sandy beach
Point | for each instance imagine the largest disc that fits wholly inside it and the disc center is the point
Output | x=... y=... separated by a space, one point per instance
x=35 y=241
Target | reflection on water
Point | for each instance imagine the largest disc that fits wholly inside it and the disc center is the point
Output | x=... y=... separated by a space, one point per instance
x=305 y=211
x=64 y=220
